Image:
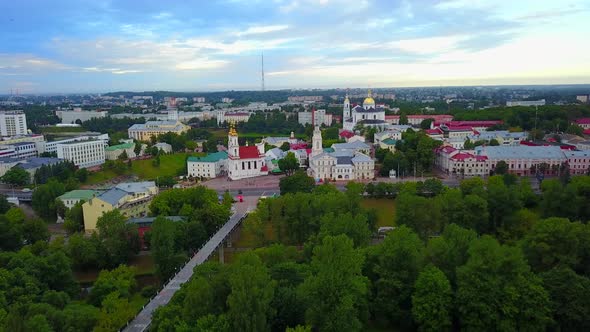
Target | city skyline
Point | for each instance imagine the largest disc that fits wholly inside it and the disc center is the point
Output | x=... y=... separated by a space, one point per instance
x=106 y=46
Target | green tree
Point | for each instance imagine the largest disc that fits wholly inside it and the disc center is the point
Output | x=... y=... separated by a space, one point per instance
x=570 y=294
x=137 y=148
x=398 y=261
x=426 y=123
x=285 y=146
x=403 y=118
x=449 y=251
x=496 y=288
x=118 y=240
x=16 y=176
x=82 y=175
x=355 y=227
x=114 y=313
x=501 y=168
x=251 y=293
x=494 y=142
x=336 y=292
x=80 y=317
x=289 y=164
x=123 y=155
x=74 y=221
x=419 y=213
x=162 y=243
x=4 y=205
x=298 y=182
x=120 y=281
x=44 y=196
x=35 y=230
x=432 y=300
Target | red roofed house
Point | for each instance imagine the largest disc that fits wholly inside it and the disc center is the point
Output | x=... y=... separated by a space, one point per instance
x=244 y=161
x=584 y=123
x=453 y=161
x=346 y=134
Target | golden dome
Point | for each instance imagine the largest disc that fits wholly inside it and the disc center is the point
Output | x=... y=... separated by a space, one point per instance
x=369 y=101
x=232 y=130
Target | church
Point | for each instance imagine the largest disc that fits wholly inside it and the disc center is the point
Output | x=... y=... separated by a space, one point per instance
x=244 y=161
x=347 y=162
x=369 y=114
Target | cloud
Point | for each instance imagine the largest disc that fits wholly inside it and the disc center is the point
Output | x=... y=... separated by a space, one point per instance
x=203 y=63
x=262 y=29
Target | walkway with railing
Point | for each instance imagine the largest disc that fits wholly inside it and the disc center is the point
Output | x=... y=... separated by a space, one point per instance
x=143 y=320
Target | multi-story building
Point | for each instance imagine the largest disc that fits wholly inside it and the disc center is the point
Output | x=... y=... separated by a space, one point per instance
x=73 y=197
x=315 y=118
x=78 y=116
x=51 y=146
x=13 y=123
x=131 y=198
x=83 y=154
x=387 y=134
x=512 y=103
x=144 y=132
x=34 y=138
x=504 y=137
x=210 y=166
x=302 y=99
x=31 y=165
x=583 y=98
x=578 y=162
x=232 y=117
x=199 y=99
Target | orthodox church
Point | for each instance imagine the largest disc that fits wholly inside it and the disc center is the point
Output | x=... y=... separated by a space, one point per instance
x=346 y=162
x=369 y=115
x=244 y=161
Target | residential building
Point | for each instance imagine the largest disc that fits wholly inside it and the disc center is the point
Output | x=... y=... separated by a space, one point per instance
x=315 y=117
x=504 y=137
x=13 y=123
x=583 y=98
x=79 y=116
x=114 y=151
x=73 y=197
x=210 y=166
x=383 y=135
x=347 y=162
x=131 y=198
x=578 y=162
x=83 y=154
x=583 y=122
x=303 y=99
x=523 y=159
x=512 y=103
x=244 y=161
x=388 y=143
x=199 y=99
x=144 y=132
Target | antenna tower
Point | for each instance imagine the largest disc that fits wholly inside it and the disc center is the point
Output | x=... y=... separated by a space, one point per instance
x=262 y=73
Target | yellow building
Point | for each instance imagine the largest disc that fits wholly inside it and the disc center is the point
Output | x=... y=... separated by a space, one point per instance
x=132 y=199
x=143 y=132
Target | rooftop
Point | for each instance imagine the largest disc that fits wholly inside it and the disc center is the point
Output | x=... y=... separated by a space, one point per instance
x=80 y=194
x=136 y=187
x=389 y=141
x=210 y=158
x=120 y=147
x=521 y=152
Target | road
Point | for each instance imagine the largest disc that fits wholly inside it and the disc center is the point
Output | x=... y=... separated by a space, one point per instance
x=143 y=320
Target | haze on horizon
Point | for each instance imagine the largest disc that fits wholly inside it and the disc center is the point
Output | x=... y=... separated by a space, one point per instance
x=65 y=46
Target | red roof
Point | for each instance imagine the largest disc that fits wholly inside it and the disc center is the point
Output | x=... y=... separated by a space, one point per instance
x=308 y=151
x=462 y=156
x=346 y=134
x=459 y=128
x=447 y=149
x=527 y=143
x=391 y=117
x=567 y=147
x=583 y=121
x=587 y=132
x=476 y=123
x=249 y=152
x=264 y=168
x=435 y=131
x=298 y=146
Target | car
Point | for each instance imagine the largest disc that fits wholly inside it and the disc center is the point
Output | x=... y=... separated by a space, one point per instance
x=26 y=190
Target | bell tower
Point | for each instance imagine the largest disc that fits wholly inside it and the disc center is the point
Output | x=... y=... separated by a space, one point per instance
x=346 y=108
x=232 y=141
x=316 y=140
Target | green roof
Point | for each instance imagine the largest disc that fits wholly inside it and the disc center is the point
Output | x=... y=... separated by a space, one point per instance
x=329 y=150
x=389 y=141
x=79 y=194
x=120 y=147
x=210 y=158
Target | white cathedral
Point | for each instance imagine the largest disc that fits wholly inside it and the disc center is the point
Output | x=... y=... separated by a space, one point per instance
x=244 y=161
x=346 y=162
x=369 y=115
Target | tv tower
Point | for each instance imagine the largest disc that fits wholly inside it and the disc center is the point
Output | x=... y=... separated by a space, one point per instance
x=262 y=72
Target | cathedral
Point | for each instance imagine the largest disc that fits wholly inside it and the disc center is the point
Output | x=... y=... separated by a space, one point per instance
x=244 y=161
x=369 y=114
x=347 y=162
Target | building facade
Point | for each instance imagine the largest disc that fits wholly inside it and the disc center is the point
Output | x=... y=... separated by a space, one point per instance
x=210 y=166
x=83 y=153
x=114 y=151
x=244 y=161
x=77 y=116
x=369 y=114
x=73 y=197
x=144 y=132
x=13 y=123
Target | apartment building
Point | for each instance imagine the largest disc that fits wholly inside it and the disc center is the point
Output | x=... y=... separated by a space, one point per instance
x=83 y=153
x=13 y=123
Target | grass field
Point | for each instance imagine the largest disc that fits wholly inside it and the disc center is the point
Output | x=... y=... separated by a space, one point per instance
x=385 y=210
x=170 y=164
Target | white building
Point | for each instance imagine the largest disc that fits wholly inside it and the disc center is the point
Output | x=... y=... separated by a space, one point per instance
x=51 y=147
x=83 y=153
x=232 y=117
x=114 y=151
x=387 y=134
x=78 y=115
x=345 y=163
x=199 y=99
x=164 y=147
x=578 y=162
x=540 y=102
x=315 y=118
x=210 y=166
x=13 y=123
x=278 y=141
x=144 y=132
x=244 y=161
x=368 y=114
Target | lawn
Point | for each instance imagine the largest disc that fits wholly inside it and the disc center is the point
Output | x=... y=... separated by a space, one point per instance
x=385 y=210
x=170 y=164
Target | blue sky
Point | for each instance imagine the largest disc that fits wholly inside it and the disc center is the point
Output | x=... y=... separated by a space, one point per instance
x=99 y=46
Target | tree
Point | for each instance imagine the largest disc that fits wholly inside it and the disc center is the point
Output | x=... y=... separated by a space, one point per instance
x=397 y=263
x=570 y=294
x=449 y=251
x=419 y=213
x=162 y=243
x=496 y=288
x=355 y=227
x=336 y=292
x=494 y=142
x=298 y=182
x=426 y=123
x=252 y=290
x=120 y=281
x=80 y=317
x=403 y=118
x=118 y=239
x=16 y=176
x=35 y=230
x=289 y=164
x=82 y=175
x=44 y=196
x=114 y=313
x=285 y=146
x=4 y=205
x=501 y=168
x=137 y=148
x=123 y=155
x=432 y=300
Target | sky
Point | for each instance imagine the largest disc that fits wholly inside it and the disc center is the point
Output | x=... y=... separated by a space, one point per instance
x=87 y=46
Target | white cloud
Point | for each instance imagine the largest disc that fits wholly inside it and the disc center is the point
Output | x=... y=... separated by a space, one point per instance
x=203 y=63
x=431 y=45
x=262 y=29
